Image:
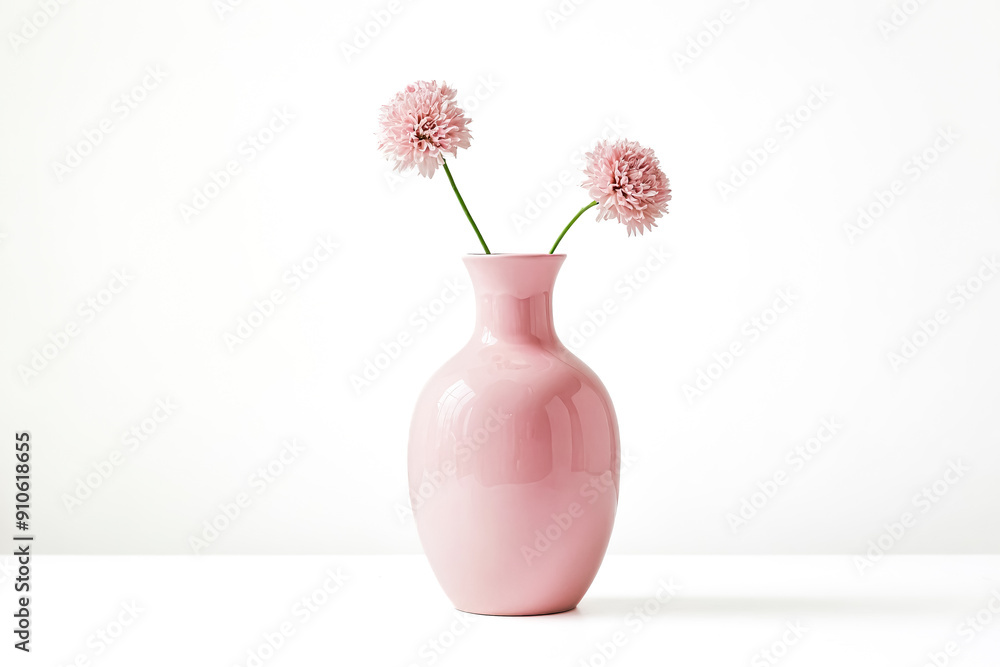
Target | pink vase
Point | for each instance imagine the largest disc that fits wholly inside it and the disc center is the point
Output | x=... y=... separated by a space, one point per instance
x=514 y=454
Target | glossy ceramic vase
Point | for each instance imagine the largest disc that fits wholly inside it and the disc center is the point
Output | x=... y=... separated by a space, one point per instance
x=514 y=453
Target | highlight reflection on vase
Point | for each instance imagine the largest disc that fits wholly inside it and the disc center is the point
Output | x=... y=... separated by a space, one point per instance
x=514 y=453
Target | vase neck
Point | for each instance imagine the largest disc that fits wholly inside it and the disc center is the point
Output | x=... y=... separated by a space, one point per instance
x=514 y=297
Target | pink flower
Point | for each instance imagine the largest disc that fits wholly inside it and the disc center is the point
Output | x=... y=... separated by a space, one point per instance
x=627 y=183
x=420 y=125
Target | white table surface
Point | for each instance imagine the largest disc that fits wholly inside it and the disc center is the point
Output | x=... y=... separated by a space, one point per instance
x=212 y=610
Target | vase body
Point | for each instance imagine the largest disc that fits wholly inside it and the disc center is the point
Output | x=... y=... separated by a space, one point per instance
x=514 y=453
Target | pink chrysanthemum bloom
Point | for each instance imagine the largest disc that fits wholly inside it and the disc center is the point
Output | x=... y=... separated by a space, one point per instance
x=420 y=125
x=626 y=181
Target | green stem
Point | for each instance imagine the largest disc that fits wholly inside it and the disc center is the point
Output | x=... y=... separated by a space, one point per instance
x=464 y=207
x=575 y=217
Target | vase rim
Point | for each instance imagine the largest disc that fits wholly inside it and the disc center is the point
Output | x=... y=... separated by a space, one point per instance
x=514 y=254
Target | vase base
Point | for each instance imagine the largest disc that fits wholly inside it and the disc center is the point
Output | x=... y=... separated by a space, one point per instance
x=517 y=613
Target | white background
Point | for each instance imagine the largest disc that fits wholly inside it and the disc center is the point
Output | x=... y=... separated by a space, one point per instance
x=538 y=90
x=387 y=610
